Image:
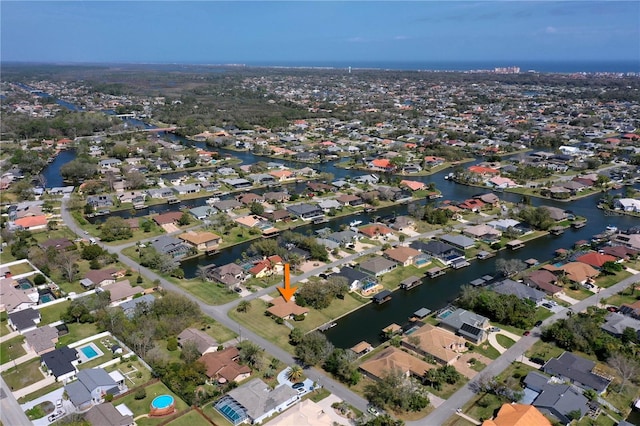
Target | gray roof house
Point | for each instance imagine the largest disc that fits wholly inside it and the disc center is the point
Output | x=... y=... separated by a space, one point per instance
x=306 y=211
x=24 y=320
x=90 y=388
x=577 y=370
x=171 y=246
x=254 y=401
x=343 y=237
x=522 y=291
x=230 y=274
x=129 y=306
x=61 y=363
x=42 y=339
x=616 y=323
x=355 y=279
x=199 y=338
x=327 y=205
x=107 y=415
x=459 y=241
x=554 y=399
x=202 y=212
x=377 y=266
x=467 y=324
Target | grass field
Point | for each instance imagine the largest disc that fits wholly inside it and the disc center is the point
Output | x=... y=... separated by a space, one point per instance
x=487 y=350
x=11 y=349
x=505 y=341
x=24 y=374
x=211 y=293
x=192 y=418
x=609 y=280
x=77 y=331
x=20 y=268
x=622 y=298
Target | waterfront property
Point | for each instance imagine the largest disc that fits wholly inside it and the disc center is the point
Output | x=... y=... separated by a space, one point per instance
x=392 y=358
x=470 y=325
x=577 y=370
x=441 y=344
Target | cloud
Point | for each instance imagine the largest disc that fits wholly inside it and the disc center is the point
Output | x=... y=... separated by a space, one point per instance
x=551 y=30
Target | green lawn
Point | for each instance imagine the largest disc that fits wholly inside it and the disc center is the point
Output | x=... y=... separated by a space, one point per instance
x=447 y=389
x=456 y=420
x=257 y=321
x=214 y=416
x=20 y=268
x=544 y=350
x=40 y=392
x=77 y=331
x=486 y=349
x=106 y=356
x=139 y=407
x=601 y=420
x=622 y=298
x=391 y=280
x=210 y=293
x=215 y=330
x=609 y=280
x=11 y=349
x=505 y=341
x=319 y=394
x=192 y=418
x=139 y=375
x=24 y=374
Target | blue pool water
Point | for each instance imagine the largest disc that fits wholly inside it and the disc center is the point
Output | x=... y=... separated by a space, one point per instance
x=89 y=352
x=46 y=298
x=162 y=401
x=559 y=264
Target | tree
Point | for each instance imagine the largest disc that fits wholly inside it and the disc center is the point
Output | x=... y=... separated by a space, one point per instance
x=383 y=420
x=250 y=354
x=67 y=262
x=77 y=170
x=295 y=373
x=509 y=267
x=394 y=390
x=341 y=363
x=627 y=368
x=295 y=336
x=190 y=352
x=243 y=306
x=313 y=348
x=256 y=208
x=115 y=228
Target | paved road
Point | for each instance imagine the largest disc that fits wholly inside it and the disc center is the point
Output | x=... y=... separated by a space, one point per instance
x=10 y=412
x=515 y=352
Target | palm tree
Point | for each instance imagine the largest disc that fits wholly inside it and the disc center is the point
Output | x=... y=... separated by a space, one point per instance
x=243 y=306
x=202 y=273
x=295 y=373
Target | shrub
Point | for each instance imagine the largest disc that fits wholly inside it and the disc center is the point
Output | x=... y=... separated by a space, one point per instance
x=39 y=279
x=172 y=344
x=279 y=320
x=140 y=394
x=108 y=397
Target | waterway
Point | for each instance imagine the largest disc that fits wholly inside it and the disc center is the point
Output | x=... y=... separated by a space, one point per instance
x=367 y=322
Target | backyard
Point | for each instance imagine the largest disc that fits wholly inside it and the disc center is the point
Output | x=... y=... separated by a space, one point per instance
x=140 y=407
x=24 y=374
x=11 y=349
x=192 y=418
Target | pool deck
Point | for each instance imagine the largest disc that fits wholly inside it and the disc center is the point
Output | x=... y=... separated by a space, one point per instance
x=84 y=358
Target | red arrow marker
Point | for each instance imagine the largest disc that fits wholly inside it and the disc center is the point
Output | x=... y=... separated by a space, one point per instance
x=287 y=291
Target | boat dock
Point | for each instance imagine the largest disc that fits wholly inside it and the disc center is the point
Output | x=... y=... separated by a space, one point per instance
x=410 y=282
x=382 y=297
x=435 y=272
x=515 y=244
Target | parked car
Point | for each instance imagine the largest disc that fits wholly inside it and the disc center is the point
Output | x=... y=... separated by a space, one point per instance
x=547 y=305
x=538 y=324
x=526 y=333
x=373 y=410
x=538 y=361
x=298 y=385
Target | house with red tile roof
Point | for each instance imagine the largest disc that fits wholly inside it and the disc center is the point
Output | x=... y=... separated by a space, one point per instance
x=31 y=223
x=375 y=231
x=268 y=266
x=281 y=175
x=483 y=171
x=472 y=204
x=412 y=184
x=383 y=164
x=596 y=259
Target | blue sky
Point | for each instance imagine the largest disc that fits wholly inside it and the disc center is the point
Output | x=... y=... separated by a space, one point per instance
x=322 y=31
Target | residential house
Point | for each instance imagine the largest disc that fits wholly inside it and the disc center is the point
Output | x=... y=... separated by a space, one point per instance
x=556 y=213
x=442 y=251
x=543 y=280
x=223 y=366
x=238 y=183
x=406 y=256
x=202 y=212
x=518 y=415
x=230 y=274
x=595 y=259
x=401 y=223
x=627 y=240
x=122 y=290
x=286 y=310
x=24 y=320
x=437 y=342
x=616 y=323
x=306 y=413
x=57 y=243
x=306 y=211
x=459 y=241
x=267 y=266
x=144 y=302
x=282 y=175
x=343 y=238
x=160 y=193
x=107 y=415
x=328 y=205
x=91 y=387
x=619 y=252
x=277 y=215
x=31 y=223
x=13 y=298
x=356 y=279
x=61 y=363
x=627 y=205
x=100 y=201
x=576 y=370
x=576 y=272
x=226 y=205
x=167 y=218
x=554 y=399
x=521 y=291
x=255 y=401
x=276 y=197
x=201 y=240
x=42 y=339
x=350 y=200
x=632 y=309
x=249 y=198
x=201 y=340
x=503 y=224
x=100 y=277
x=376 y=231
x=170 y=246
x=472 y=204
x=394 y=359
x=482 y=232
x=377 y=266
x=470 y=325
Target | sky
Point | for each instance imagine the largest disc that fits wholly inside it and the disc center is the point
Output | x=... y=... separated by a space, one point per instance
x=269 y=32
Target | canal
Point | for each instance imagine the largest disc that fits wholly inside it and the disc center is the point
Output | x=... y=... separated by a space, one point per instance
x=433 y=293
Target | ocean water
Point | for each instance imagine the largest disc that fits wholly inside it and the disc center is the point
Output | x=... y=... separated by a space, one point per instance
x=539 y=66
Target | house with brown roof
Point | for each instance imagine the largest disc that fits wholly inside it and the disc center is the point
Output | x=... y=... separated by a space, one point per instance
x=249 y=198
x=223 y=365
x=543 y=280
x=391 y=359
x=413 y=185
x=100 y=277
x=201 y=240
x=57 y=243
x=199 y=338
x=13 y=298
x=619 y=252
x=230 y=274
x=577 y=272
x=404 y=255
x=122 y=291
x=286 y=310
x=437 y=342
x=167 y=218
x=518 y=415
x=350 y=200
x=42 y=339
x=482 y=232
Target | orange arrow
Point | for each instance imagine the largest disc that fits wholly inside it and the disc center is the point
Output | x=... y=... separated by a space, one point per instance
x=287 y=291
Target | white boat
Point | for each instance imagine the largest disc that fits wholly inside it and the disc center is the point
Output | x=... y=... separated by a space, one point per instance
x=212 y=200
x=354 y=223
x=612 y=228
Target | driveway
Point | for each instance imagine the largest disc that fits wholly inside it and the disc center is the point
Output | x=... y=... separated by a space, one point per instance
x=51 y=397
x=569 y=300
x=493 y=340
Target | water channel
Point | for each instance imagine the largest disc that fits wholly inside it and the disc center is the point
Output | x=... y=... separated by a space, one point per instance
x=433 y=293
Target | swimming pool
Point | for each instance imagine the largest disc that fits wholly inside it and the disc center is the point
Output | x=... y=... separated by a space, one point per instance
x=89 y=352
x=162 y=401
x=44 y=298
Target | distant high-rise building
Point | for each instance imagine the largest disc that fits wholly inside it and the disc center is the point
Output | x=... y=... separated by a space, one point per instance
x=506 y=70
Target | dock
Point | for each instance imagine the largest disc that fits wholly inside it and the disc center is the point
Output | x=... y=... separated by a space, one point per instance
x=382 y=297
x=460 y=264
x=173 y=201
x=410 y=282
x=435 y=272
x=139 y=206
x=578 y=225
x=327 y=326
x=515 y=244
x=485 y=255
x=556 y=230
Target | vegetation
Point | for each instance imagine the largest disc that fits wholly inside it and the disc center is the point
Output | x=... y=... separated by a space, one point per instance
x=396 y=392
x=342 y=364
x=320 y=294
x=505 y=309
x=313 y=348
